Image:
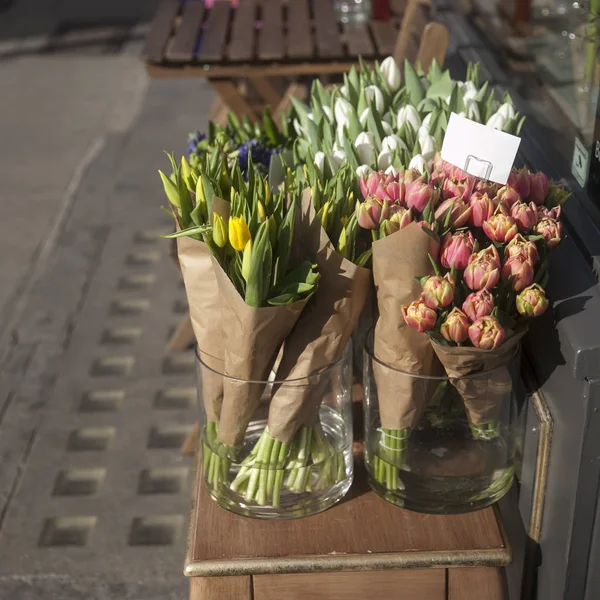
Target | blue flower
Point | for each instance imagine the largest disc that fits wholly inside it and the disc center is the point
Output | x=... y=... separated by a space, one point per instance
x=261 y=156
x=193 y=140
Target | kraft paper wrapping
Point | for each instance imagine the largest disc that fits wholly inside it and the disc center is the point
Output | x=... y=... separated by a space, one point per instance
x=484 y=395
x=397 y=260
x=205 y=313
x=322 y=331
x=251 y=340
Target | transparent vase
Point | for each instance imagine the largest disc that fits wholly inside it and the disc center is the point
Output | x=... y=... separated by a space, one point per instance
x=437 y=444
x=290 y=453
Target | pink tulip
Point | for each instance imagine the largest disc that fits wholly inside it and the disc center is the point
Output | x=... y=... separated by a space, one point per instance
x=372 y=212
x=508 y=196
x=478 y=304
x=437 y=178
x=486 y=333
x=519 y=271
x=399 y=218
x=456 y=326
x=419 y=316
x=482 y=208
x=460 y=213
x=486 y=187
x=456 y=249
x=500 y=228
x=532 y=301
x=551 y=230
x=483 y=270
x=425 y=225
x=412 y=175
x=523 y=248
x=438 y=291
x=524 y=214
x=419 y=194
x=457 y=188
x=539 y=186
x=369 y=184
x=548 y=213
x=519 y=179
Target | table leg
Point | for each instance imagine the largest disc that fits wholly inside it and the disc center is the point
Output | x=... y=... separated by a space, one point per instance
x=221 y=588
x=475 y=583
x=183 y=336
x=229 y=93
x=267 y=91
x=294 y=90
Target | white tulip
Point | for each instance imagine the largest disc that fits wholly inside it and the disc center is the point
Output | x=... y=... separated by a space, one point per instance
x=342 y=110
x=372 y=92
x=427 y=147
x=365 y=145
x=472 y=110
x=427 y=121
x=419 y=163
x=392 y=143
x=507 y=110
x=423 y=132
x=497 y=121
x=364 y=171
x=344 y=90
x=387 y=117
x=363 y=117
x=409 y=114
x=298 y=128
x=341 y=136
x=468 y=89
x=310 y=116
x=384 y=160
x=328 y=113
x=387 y=128
x=391 y=73
x=339 y=155
x=320 y=161
x=336 y=161
x=391 y=170
x=337 y=148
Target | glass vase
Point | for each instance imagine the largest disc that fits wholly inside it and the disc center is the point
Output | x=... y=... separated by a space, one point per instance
x=352 y=11
x=444 y=445
x=304 y=468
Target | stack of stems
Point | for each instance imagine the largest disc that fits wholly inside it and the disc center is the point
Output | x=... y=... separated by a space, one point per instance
x=485 y=431
x=214 y=464
x=388 y=458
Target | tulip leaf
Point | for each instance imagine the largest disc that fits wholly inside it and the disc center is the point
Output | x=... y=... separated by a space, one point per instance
x=190 y=231
x=438 y=338
x=520 y=125
x=351 y=153
x=271 y=130
x=374 y=126
x=414 y=84
x=282 y=300
x=364 y=260
x=284 y=244
x=441 y=88
x=435 y=72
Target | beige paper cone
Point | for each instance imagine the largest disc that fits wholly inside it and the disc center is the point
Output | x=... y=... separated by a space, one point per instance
x=397 y=260
x=484 y=395
x=251 y=340
x=322 y=332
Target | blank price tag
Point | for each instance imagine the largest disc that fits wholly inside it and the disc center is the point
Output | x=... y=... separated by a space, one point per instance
x=479 y=150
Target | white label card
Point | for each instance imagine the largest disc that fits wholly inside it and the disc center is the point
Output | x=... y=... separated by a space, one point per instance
x=479 y=150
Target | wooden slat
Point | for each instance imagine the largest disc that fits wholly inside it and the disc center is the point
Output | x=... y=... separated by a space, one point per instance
x=270 y=38
x=183 y=44
x=241 y=46
x=221 y=588
x=231 y=96
x=385 y=35
x=469 y=583
x=299 y=37
x=329 y=44
x=267 y=91
x=161 y=27
x=358 y=40
x=215 y=33
x=434 y=44
x=424 y=584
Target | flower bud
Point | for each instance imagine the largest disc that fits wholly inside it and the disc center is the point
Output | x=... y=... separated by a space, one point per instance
x=460 y=213
x=487 y=187
x=482 y=208
x=456 y=326
x=239 y=233
x=457 y=249
x=419 y=194
x=483 y=270
x=247 y=260
x=391 y=73
x=365 y=146
x=219 y=231
x=409 y=114
x=497 y=121
x=500 y=228
x=455 y=187
x=372 y=212
x=538 y=188
x=551 y=230
x=548 y=213
x=342 y=110
x=524 y=214
x=523 y=248
x=532 y=301
x=419 y=316
x=438 y=291
x=478 y=304
x=419 y=163
x=363 y=171
x=427 y=147
x=384 y=160
x=370 y=183
x=518 y=270
x=320 y=161
x=393 y=143
x=507 y=195
x=486 y=333
x=507 y=110
x=373 y=93
x=519 y=180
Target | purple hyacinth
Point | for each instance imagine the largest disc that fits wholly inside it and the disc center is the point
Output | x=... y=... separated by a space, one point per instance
x=194 y=140
x=261 y=156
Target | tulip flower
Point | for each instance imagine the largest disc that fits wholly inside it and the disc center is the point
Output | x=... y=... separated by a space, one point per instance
x=497 y=121
x=468 y=89
x=219 y=231
x=478 y=304
x=460 y=213
x=507 y=110
x=507 y=196
x=298 y=128
x=487 y=187
x=397 y=220
x=544 y=212
x=458 y=188
x=419 y=316
x=409 y=114
x=532 y=301
x=419 y=163
x=365 y=145
x=519 y=180
x=391 y=73
x=500 y=227
x=342 y=110
x=337 y=160
x=438 y=291
x=372 y=212
x=370 y=183
x=472 y=110
x=427 y=121
x=483 y=270
x=520 y=271
x=482 y=208
x=486 y=333
x=427 y=147
x=247 y=260
x=328 y=113
x=391 y=170
x=551 y=230
x=384 y=160
x=524 y=214
x=320 y=161
x=419 y=194
x=391 y=188
x=373 y=93
x=363 y=171
x=523 y=248
x=457 y=249
x=387 y=128
x=538 y=188
x=456 y=326
x=393 y=143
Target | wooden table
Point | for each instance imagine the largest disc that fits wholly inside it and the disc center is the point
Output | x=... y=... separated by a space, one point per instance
x=265 y=39
x=360 y=546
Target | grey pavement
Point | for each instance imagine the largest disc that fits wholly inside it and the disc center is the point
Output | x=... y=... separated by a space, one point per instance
x=93 y=491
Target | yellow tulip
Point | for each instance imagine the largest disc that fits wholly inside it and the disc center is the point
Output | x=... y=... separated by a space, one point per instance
x=262 y=215
x=239 y=233
x=246 y=260
x=219 y=231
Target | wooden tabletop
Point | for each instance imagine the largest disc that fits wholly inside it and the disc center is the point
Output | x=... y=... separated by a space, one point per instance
x=186 y=32
x=363 y=532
